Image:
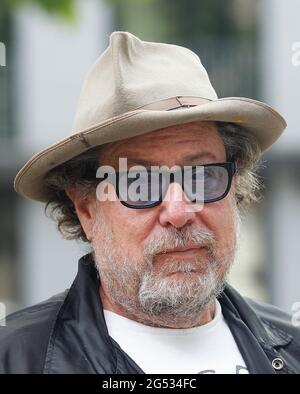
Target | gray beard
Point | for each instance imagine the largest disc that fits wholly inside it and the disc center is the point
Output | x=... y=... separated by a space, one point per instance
x=179 y=300
x=143 y=291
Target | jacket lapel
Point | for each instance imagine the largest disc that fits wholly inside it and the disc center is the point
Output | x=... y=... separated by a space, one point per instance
x=258 y=341
x=79 y=342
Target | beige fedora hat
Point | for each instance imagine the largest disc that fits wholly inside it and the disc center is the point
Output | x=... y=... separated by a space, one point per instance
x=135 y=87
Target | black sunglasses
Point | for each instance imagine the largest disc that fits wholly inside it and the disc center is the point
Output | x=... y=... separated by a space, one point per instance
x=205 y=183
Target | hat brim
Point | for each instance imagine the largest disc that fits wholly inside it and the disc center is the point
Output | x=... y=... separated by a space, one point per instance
x=256 y=117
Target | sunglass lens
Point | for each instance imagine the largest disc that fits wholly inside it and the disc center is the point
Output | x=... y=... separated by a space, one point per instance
x=205 y=183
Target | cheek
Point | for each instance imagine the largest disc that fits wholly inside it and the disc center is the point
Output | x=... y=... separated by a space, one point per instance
x=130 y=227
x=220 y=218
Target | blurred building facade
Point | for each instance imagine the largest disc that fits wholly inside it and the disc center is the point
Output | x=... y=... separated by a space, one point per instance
x=246 y=52
x=279 y=32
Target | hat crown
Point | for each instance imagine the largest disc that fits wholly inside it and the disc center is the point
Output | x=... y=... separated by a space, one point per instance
x=131 y=73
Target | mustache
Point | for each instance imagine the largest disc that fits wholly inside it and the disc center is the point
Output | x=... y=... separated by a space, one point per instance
x=173 y=238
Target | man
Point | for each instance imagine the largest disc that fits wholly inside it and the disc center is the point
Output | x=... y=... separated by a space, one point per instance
x=154 y=178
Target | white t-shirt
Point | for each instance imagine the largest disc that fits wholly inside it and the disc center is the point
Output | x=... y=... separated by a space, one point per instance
x=209 y=348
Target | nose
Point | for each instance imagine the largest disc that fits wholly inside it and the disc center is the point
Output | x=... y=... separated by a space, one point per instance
x=174 y=209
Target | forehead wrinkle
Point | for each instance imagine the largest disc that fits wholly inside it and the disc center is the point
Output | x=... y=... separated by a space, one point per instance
x=116 y=150
x=186 y=160
x=158 y=137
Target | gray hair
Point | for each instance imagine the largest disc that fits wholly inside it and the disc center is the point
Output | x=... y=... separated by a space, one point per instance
x=80 y=172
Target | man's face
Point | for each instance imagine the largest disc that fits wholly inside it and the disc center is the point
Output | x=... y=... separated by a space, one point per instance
x=140 y=271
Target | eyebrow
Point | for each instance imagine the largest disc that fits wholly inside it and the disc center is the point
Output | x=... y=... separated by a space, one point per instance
x=187 y=159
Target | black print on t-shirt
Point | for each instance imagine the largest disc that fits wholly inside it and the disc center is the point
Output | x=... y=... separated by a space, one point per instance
x=239 y=369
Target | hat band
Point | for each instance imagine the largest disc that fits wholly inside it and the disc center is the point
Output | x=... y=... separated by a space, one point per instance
x=175 y=103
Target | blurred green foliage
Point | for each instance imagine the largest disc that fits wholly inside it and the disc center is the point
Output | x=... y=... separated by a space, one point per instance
x=61 y=8
x=177 y=20
x=164 y=19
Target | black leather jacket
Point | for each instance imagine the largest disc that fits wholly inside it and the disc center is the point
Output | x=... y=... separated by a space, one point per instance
x=68 y=334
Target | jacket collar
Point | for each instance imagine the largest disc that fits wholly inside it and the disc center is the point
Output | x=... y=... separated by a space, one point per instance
x=79 y=341
x=266 y=334
x=259 y=341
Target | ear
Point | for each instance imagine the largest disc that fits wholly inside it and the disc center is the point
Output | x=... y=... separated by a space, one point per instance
x=85 y=209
